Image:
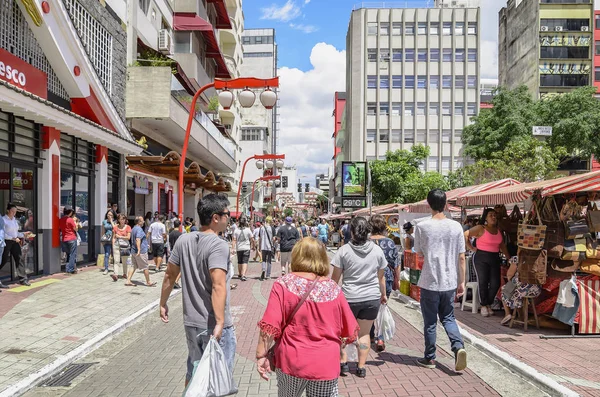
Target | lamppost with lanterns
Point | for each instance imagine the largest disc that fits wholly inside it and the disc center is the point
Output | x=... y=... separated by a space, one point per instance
x=246 y=99
x=267 y=178
x=267 y=161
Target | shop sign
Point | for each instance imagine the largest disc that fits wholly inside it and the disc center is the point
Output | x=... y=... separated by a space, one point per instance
x=19 y=73
x=140 y=185
x=20 y=181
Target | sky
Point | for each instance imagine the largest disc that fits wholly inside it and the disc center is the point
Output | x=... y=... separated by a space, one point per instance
x=311 y=40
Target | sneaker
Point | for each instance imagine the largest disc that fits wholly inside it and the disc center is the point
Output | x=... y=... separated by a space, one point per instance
x=484 y=311
x=361 y=372
x=176 y=286
x=460 y=360
x=25 y=283
x=344 y=369
x=380 y=345
x=2 y=286
x=243 y=278
x=105 y=272
x=425 y=363
x=262 y=276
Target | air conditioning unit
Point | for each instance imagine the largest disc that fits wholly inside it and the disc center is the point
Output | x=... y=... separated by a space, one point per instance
x=164 y=41
x=544 y=28
x=558 y=28
x=585 y=28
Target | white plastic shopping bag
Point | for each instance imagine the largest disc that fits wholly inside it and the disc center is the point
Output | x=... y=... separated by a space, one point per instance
x=352 y=352
x=211 y=377
x=384 y=324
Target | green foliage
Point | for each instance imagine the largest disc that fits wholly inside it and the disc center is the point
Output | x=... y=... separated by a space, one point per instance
x=398 y=179
x=288 y=212
x=213 y=104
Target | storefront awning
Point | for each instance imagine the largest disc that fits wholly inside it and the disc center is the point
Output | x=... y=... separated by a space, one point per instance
x=168 y=166
x=186 y=21
x=380 y=209
x=223 y=21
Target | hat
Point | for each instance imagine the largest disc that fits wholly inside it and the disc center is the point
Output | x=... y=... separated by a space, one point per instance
x=407 y=226
x=288 y=219
x=257 y=224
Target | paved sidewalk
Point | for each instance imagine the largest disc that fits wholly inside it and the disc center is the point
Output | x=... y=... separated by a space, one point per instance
x=57 y=314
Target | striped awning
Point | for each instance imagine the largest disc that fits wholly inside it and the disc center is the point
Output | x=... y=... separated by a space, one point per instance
x=453 y=196
x=518 y=193
x=379 y=210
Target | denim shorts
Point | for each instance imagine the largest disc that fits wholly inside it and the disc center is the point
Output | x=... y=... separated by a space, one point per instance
x=197 y=339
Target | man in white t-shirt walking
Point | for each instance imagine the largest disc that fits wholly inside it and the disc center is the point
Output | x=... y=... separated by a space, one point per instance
x=157 y=234
x=243 y=239
x=442 y=243
x=266 y=245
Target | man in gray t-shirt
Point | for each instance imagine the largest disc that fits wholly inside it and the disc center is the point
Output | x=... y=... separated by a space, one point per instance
x=203 y=260
x=442 y=244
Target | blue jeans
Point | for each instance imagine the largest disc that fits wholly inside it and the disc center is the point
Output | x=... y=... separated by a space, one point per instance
x=107 y=252
x=198 y=338
x=440 y=304
x=323 y=239
x=70 y=248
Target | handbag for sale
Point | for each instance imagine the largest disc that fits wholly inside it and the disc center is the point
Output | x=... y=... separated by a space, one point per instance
x=590 y=266
x=573 y=256
x=593 y=218
x=532 y=266
x=555 y=231
x=575 y=245
x=513 y=225
x=271 y=352
x=531 y=237
x=565 y=266
x=576 y=228
x=592 y=250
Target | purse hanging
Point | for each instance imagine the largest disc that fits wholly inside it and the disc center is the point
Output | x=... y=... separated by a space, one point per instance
x=590 y=266
x=592 y=250
x=513 y=225
x=593 y=218
x=576 y=228
x=555 y=232
x=531 y=237
x=565 y=266
x=532 y=266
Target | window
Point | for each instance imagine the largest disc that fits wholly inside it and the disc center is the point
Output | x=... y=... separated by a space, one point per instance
x=422 y=54
x=447 y=55
x=434 y=28
x=571 y=24
x=597 y=46
x=433 y=164
x=384 y=136
x=409 y=55
x=458 y=162
x=421 y=81
x=434 y=136
x=459 y=109
x=565 y=80
x=459 y=82
x=384 y=82
x=258 y=39
x=459 y=55
x=397 y=81
x=597 y=21
x=397 y=29
x=409 y=136
x=472 y=56
x=372 y=54
x=409 y=109
x=471 y=109
x=434 y=81
x=384 y=55
x=447 y=29
x=421 y=136
x=252 y=134
x=459 y=28
x=372 y=28
x=434 y=55
x=445 y=164
x=434 y=109
x=472 y=82
x=446 y=134
x=409 y=81
x=371 y=134
x=421 y=108
x=446 y=81
x=422 y=28
x=396 y=134
x=566 y=52
x=258 y=54
x=371 y=108
x=396 y=108
x=245 y=40
x=384 y=29
x=409 y=29
x=397 y=55
x=596 y=74
x=371 y=81
x=472 y=28
x=457 y=136
x=384 y=108
x=447 y=109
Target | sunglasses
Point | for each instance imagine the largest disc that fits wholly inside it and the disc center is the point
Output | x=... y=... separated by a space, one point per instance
x=228 y=214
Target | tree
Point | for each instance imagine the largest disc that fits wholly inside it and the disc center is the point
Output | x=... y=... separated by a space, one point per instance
x=288 y=212
x=398 y=178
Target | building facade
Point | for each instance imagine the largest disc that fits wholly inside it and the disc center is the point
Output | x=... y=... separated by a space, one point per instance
x=412 y=78
x=546 y=45
x=339 y=124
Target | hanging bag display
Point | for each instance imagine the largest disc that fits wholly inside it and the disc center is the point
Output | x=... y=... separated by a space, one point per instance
x=513 y=226
x=576 y=228
x=532 y=266
x=590 y=266
x=531 y=236
x=555 y=232
x=592 y=250
x=574 y=250
x=593 y=218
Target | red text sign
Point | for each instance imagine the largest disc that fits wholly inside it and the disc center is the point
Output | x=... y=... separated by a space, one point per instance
x=19 y=73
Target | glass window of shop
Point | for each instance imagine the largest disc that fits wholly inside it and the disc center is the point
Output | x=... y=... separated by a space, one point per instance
x=20 y=156
x=77 y=190
x=114 y=171
x=139 y=197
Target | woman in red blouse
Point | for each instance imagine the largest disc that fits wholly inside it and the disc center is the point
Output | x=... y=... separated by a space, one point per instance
x=308 y=351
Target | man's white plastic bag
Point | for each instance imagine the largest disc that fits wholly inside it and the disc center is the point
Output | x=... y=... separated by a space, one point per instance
x=211 y=377
x=384 y=324
x=352 y=352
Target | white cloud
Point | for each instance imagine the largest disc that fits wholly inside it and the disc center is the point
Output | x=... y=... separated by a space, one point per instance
x=304 y=28
x=306 y=1
x=306 y=98
x=489 y=59
x=284 y=13
x=489 y=37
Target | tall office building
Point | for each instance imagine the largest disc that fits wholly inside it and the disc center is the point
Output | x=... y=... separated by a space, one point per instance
x=412 y=78
x=546 y=45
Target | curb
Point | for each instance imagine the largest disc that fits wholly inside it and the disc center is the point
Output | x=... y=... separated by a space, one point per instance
x=63 y=361
x=527 y=372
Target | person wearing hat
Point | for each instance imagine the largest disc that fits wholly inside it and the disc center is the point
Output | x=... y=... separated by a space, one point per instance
x=409 y=240
x=287 y=236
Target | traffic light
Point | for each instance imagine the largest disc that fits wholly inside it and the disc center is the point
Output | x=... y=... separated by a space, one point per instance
x=284 y=181
x=244 y=188
x=299 y=188
x=306 y=186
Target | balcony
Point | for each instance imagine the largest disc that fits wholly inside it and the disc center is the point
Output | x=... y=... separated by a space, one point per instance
x=158 y=107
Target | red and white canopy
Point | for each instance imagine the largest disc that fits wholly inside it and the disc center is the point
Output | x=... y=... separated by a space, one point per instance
x=380 y=209
x=519 y=193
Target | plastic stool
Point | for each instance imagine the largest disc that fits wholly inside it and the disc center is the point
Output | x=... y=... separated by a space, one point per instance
x=528 y=300
x=474 y=303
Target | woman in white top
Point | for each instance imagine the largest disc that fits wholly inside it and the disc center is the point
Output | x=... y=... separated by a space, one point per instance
x=243 y=239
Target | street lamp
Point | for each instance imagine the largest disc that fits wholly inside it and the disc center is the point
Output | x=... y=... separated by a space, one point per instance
x=262 y=179
x=268 y=98
x=259 y=165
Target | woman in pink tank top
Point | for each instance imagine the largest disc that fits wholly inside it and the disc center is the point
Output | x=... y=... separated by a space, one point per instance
x=490 y=243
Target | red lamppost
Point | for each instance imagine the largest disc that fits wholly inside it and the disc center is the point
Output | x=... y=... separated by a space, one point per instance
x=262 y=178
x=246 y=98
x=267 y=157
